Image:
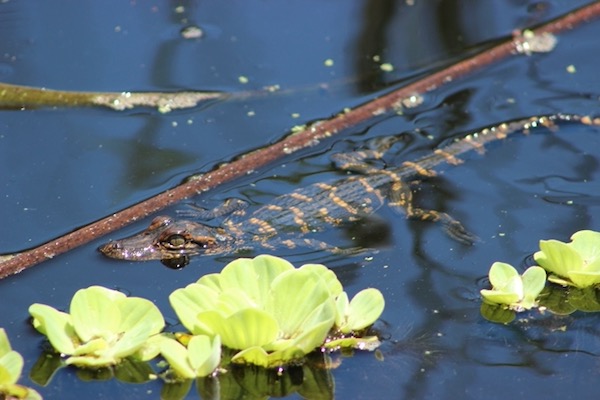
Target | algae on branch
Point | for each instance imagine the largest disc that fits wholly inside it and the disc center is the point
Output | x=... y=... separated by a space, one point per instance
x=16 y=96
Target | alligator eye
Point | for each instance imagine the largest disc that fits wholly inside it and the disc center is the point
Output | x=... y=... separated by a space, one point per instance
x=175 y=241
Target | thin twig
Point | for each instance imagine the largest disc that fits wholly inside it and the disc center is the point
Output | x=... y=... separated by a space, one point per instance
x=311 y=136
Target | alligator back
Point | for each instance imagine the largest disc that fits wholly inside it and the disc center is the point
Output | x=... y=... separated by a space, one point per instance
x=316 y=207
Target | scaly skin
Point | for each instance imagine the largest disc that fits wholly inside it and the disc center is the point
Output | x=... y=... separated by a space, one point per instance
x=290 y=217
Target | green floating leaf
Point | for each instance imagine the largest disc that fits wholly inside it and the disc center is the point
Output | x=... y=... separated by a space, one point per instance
x=576 y=263
x=587 y=244
x=270 y=311
x=364 y=309
x=139 y=314
x=369 y=343
x=295 y=295
x=534 y=279
x=205 y=354
x=20 y=392
x=310 y=339
x=328 y=276
x=150 y=349
x=253 y=355
x=232 y=301
x=96 y=346
x=502 y=275
x=95 y=313
x=199 y=359
x=583 y=279
x=507 y=286
x=4 y=343
x=253 y=276
x=558 y=257
x=104 y=327
x=140 y=320
x=342 y=307
x=244 y=329
x=56 y=325
x=177 y=357
x=258 y=356
x=192 y=300
x=500 y=297
x=513 y=290
x=11 y=366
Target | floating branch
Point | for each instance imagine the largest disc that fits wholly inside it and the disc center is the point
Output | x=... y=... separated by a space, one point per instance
x=15 y=96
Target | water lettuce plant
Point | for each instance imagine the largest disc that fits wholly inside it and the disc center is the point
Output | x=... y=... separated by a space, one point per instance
x=259 y=311
x=103 y=327
x=518 y=292
x=270 y=311
x=576 y=263
x=354 y=316
x=359 y=313
x=199 y=358
x=11 y=365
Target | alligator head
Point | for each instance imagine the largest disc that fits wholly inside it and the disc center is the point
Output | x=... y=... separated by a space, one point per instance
x=170 y=241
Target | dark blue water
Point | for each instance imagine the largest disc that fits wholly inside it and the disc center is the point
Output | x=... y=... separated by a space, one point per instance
x=60 y=169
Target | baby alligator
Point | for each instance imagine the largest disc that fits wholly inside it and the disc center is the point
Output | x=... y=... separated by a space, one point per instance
x=290 y=217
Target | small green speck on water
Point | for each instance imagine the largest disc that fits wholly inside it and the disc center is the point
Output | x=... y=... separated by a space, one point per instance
x=386 y=67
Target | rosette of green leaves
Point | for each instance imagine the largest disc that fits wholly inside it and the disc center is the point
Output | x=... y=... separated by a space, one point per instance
x=103 y=327
x=353 y=316
x=518 y=292
x=576 y=263
x=11 y=365
x=198 y=359
x=270 y=311
x=366 y=306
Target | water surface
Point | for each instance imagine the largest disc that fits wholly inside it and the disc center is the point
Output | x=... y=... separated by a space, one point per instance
x=65 y=168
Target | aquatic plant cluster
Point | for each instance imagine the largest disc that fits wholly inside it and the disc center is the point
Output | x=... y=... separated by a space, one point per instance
x=11 y=365
x=267 y=313
x=275 y=313
x=261 y=311
x=575 y=265
x=103 y=327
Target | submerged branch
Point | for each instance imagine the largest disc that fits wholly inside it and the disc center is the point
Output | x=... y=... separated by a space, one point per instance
x=406 y=96
x=25 y=97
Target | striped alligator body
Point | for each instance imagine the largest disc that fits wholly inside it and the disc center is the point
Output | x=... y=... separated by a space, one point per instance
x=289 y=218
